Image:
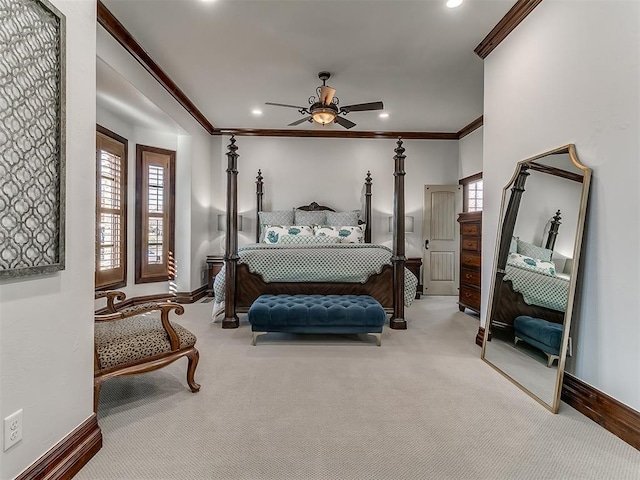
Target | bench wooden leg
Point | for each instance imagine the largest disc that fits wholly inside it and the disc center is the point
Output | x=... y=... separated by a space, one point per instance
x=97 y=384
x=255 y=336
x=378 y=338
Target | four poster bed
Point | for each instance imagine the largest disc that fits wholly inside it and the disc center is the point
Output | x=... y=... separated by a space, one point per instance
x=529 y=284
x=293 y=257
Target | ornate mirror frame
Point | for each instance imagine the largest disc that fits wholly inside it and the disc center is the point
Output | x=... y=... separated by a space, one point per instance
x=508 y=215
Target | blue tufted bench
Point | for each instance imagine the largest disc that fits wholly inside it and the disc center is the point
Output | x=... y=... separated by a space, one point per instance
x=546 y=336
x=317 y=314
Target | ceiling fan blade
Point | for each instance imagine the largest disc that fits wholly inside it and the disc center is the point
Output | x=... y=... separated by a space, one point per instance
x=298 y=122
x=362 y=107
x=344 y=122
x=326 y=94
x=284 y=105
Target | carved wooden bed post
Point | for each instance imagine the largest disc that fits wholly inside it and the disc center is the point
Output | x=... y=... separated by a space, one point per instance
x=259 y=195
x=508 y=225
x=367 y=208
x=553 y=231
x=399 y=259
x=231 y=250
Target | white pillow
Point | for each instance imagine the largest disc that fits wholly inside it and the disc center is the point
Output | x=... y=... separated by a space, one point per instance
x=273 y=233
x=528 y=263
x=347 y=234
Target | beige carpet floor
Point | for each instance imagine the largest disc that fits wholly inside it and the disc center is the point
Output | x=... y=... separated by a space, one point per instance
x=422 y=406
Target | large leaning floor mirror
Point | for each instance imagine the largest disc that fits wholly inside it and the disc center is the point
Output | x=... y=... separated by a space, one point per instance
x=535 y=272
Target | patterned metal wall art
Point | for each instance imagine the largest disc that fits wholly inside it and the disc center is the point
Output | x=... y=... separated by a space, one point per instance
x=32 y=141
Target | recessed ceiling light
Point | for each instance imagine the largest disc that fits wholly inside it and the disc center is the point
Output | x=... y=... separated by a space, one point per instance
x=255 y=111
x=454 y=3
x=384 y=115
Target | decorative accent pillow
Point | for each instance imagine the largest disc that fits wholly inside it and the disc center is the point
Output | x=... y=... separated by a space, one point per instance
x=528 y=263
x=302 y=217
x=347 y=234
x=337 y=219
x=278 y=217
x=273 y=233
x=513 y=246
x=533 y=251
x=308 y=240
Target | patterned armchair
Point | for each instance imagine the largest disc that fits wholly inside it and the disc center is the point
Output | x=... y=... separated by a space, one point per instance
x=139 y=338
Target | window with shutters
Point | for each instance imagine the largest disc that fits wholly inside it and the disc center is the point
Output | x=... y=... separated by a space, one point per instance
x=111 y=210
x=473 y=195
x=155 y=214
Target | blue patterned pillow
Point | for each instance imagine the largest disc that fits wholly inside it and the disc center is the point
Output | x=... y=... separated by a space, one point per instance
x=274 y=233
x=308 y=240
x=337 y=219
x=346 y=234
x=278 y=217
x=302 y=217
x=533 y=251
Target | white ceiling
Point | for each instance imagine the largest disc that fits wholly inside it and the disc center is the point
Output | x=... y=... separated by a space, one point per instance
x=231 y=56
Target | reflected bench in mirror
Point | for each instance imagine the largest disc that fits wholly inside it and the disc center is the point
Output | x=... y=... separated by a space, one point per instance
x=535 y=272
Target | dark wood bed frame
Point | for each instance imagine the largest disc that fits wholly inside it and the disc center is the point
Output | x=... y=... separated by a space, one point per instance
x=507 y=303
x=242 y=287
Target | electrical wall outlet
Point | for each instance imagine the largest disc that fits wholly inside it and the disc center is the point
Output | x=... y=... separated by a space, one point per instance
x=12 y=429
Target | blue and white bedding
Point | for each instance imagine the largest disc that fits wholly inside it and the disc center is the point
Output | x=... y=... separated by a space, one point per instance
x=351 y=262
x=537 y=281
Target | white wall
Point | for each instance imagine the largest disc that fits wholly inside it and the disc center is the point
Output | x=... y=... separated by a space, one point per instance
x=194 y=165
x=544 y=195
x=570 y=74
x=46 y=322
x=470 y=157
x=331 y=172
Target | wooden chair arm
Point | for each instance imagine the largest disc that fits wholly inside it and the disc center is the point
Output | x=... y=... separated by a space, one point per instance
x=165 y=309
x=112 y=296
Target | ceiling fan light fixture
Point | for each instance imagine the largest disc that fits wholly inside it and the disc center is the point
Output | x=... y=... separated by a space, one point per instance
x=384 y=115
x=323 y=116
x=453 y=3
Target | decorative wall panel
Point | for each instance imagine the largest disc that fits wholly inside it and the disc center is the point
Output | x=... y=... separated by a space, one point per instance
x=32 y=148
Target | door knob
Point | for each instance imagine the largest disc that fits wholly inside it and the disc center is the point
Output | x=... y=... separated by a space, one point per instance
x=426 y=244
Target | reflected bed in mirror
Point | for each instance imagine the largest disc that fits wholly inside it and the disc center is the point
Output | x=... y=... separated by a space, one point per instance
x=535 y=272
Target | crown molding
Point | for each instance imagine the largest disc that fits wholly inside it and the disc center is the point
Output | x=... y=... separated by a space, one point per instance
x=511 y=20
x=112 y=25
x=466 y=130
x=267 y=132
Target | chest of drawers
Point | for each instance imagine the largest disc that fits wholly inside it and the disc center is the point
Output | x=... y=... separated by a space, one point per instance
x=470 y=260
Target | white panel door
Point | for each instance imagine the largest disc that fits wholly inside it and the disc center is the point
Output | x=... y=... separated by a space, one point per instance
x=442 y=203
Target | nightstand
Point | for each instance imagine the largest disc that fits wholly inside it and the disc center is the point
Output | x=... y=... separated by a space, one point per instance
x=214 y=265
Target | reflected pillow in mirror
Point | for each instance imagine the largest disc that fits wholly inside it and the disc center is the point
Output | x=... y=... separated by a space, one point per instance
x=513 y=246
x=533 y=251
x=535 y=265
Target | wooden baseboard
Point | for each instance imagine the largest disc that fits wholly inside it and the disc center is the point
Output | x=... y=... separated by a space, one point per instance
x=480 y=336
x=618 y=418
x=191 y=297
x=69 y=455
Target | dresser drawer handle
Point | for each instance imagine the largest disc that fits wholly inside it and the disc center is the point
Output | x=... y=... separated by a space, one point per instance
x=467 y=294
x=468 y=275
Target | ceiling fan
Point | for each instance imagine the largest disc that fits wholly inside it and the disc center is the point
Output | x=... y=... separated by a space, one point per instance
x=324 y=107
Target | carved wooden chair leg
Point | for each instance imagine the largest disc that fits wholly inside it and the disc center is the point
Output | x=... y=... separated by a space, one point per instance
x=193 y=357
